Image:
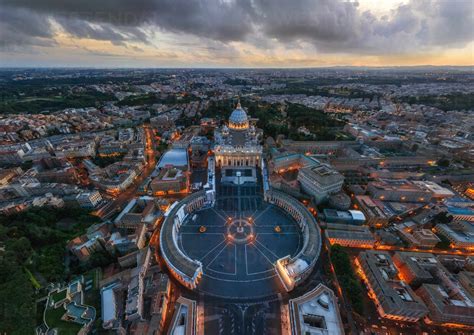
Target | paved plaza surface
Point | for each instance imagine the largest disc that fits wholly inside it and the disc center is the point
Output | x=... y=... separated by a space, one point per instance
x=227 y=318
x=240 y=243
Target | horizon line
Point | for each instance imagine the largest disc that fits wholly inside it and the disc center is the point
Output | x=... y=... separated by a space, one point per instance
x=237 y=68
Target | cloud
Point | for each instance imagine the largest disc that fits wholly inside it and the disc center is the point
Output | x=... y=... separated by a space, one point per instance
x=314 y=26
x=447 y=22
x=19 y=27
x=324 y=20
x=220 y=20
x=102 y=32
x=336 y=26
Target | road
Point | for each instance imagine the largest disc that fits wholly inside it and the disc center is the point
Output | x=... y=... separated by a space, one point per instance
x=120 y=201
x=431 y=251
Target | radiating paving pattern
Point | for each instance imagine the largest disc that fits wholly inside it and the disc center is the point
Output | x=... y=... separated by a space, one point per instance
x=240 y=243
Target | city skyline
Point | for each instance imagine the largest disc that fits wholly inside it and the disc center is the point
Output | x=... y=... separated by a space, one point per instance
x=188 y=201
x=240 y=34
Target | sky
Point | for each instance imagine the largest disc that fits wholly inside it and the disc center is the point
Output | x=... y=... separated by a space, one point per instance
x=236 y=33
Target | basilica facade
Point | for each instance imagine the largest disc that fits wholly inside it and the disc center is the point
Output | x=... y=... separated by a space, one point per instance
x=237 y=142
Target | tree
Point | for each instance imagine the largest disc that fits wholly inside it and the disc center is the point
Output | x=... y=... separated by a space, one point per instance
x=20 y=249
x=17 y=306
x=443 y=217
x=444 y=244
x=346 y=276
x=443 y=162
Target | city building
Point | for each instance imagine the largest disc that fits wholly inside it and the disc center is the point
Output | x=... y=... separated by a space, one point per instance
x=11 y=156
x=6 y=175
x=89 y=199
x=340 y=201
x=199 y=150
x=55 y=170
x=344 y=217
x=170 y=181
x=314 y=147
x=94 y=240
x=393 y=298
x=126 y=241
x=288 y=161
x=162 y=123
x=379 y=213
x=184 y=321
x=416 y=268
x=69 y=301
x=448 y=304
x=91 y=167
x=111 y=305
x=175 y=157
x=350 y=236
x=79 y=148
x=466 y=279
x=158 y=289
x=319 y=181
x=208 y=124
x=459 y=233
x=438 y=192
x=416 y=236
x=141 y=210
x=315 y=313
x=117 y=177
x=134 y=303
x=398 y=190
x=460 y=209
x=375 y=212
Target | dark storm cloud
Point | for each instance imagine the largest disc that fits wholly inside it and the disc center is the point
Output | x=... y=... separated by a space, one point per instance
x=21 y=27
x=322 y=20
x=211 y=19
x=330 y=26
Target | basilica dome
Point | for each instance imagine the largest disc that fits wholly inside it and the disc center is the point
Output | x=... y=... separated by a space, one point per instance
x=239 y=119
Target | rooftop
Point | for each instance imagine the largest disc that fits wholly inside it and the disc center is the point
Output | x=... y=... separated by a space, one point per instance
x=176 y=157
x=316 y=313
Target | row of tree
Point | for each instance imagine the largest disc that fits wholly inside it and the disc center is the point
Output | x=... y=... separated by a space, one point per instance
x=348 y=280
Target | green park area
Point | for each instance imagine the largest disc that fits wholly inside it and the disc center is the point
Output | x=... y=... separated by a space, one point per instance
x=34 y=248
x=448 y=102
x=52 y=103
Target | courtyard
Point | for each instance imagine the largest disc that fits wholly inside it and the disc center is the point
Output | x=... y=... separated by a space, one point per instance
x=238 y=242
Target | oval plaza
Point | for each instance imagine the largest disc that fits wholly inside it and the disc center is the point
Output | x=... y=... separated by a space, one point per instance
x=238 y=237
